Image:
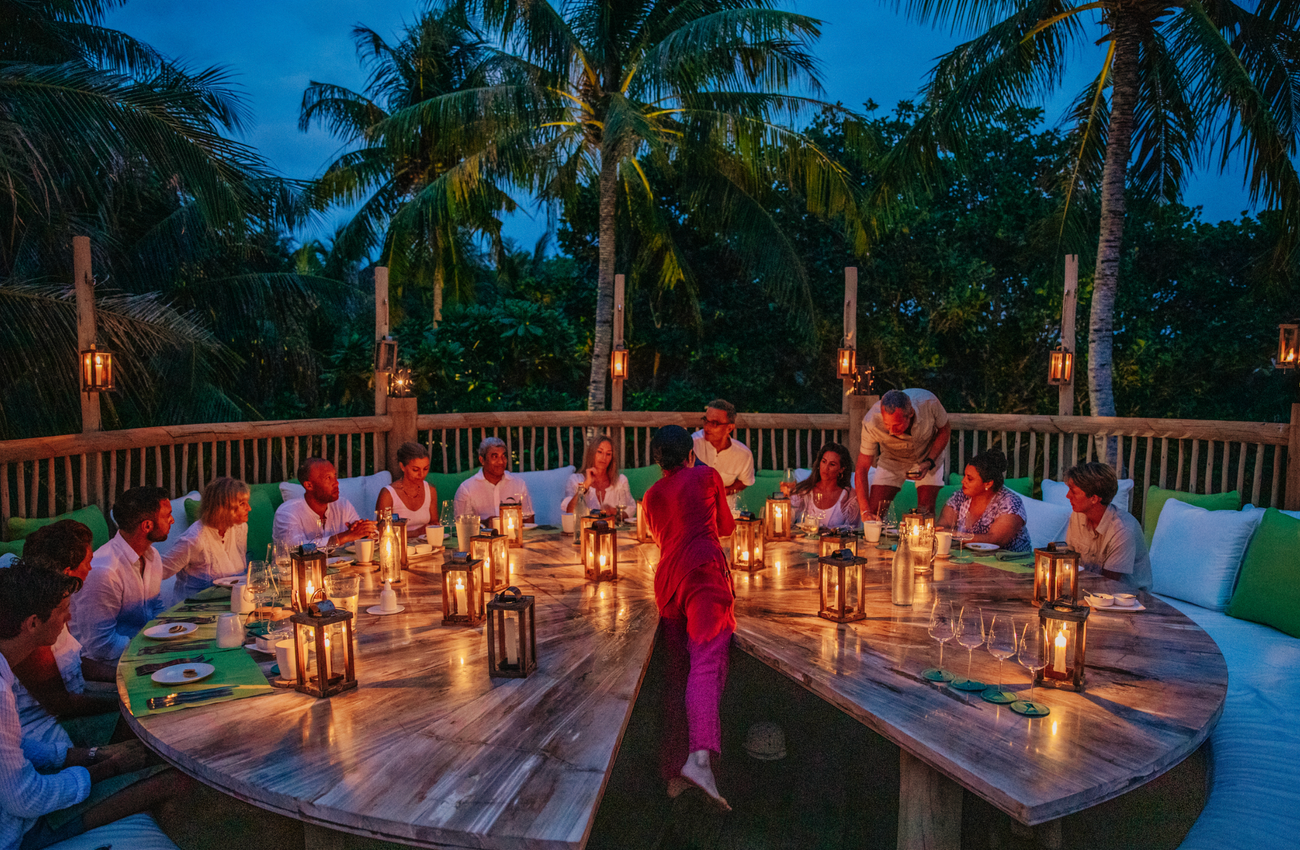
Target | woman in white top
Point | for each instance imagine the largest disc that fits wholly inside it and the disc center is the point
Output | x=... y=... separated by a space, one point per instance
x=217 y=545
x=600 y=487
x=411 y=496
x=825 y=494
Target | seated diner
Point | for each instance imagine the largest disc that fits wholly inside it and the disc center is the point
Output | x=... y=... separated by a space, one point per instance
x=825 y=495
x=411 y=496
x=483 y=493
x=320 y=517
x=1108 y=539
x=600 y=486
x=985 y=508
x=217 y=545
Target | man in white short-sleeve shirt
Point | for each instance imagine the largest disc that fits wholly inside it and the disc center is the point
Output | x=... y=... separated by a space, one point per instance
x=1108 y=539
x=715 y=447
x=908 y=431
x=320 y=517
x=483 y=493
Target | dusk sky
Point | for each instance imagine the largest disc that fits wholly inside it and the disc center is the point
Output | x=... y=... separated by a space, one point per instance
x=274 y=49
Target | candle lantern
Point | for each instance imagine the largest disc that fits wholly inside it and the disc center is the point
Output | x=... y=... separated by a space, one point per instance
x=1060 y=367
x=386 y=355
x=779 y=518
x=462 y=590
x=511 y=514
x=918 y=527
x=618 y=362
x=490 y=547
x=399 y=383
x=96 y=370
x=1056 y=575
x=580 y=527
x=841 y=586
x=600 y=551
x=834 y=539
x=642 y=525
x=846 y=364
x=308 y=565
x=1065 y=632
x=747 y=543
x=511 y=635
x=325 y=632
x=403 y=554
x=1288 y=341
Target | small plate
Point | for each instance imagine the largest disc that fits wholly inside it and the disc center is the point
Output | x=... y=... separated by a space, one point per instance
x=983 y=547
x=227 y=581
x=340 y=562
x=375 y=609
x=529 y=525
x=182 y=674
x=1118 y=609
x=170 y=631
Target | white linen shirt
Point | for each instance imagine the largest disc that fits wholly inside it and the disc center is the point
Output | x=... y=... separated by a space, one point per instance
x=25 y=794
x=619 y=490
x=116 y=600
x=844 y=513
x=734 y=463
x=1116 y=545
x=899 y=454
x=202 y=556
x=296 y=523
x=476 y=495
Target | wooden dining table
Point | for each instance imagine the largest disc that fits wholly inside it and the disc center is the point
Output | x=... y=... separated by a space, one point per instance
x=431 y=751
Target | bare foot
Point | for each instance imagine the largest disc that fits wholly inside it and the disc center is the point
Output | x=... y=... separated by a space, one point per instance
x=699 y=773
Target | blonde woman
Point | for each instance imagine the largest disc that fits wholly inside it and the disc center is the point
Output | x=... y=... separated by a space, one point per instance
x=217 y=545
x=599 y=486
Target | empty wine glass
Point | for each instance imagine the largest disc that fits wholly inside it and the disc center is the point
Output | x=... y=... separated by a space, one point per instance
x=1001 y=640
x=260 y=580
x=941 y=629
x=1031 y=652
x=962 y=555
x=969 y=628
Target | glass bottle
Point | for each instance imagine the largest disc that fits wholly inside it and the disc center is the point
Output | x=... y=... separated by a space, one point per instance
x=903 y=574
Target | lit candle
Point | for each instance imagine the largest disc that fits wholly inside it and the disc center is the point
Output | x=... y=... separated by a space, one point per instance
x=311 y=590
x=460 y=605
x=744 y=556
x=329 y=658
x=602 y=566
x=1058 y=660
x=512 y=641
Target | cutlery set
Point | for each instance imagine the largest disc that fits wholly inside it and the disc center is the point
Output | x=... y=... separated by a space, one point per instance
x=150 y=669
x=181 y=698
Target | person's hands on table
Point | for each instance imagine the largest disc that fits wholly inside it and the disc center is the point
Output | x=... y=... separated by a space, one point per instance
x=356 y=530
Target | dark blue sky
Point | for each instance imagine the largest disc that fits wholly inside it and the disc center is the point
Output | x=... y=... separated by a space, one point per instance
x=274 y=49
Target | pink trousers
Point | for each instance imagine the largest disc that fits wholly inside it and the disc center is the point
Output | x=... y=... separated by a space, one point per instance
x=696 y=674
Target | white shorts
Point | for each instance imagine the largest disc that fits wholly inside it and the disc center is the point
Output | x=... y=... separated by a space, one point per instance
x=895 y=476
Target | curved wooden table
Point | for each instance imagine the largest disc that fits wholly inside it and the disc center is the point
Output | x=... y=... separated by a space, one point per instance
x=430 y=751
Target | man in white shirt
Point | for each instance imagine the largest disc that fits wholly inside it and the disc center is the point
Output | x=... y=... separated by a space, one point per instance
x=715 y=447
x=908 y=431
x=483 y=493
x=320 y=517
x=1108 y=539
x=122 y=592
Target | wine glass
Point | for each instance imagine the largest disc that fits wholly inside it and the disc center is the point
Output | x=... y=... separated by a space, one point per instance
x=1031 y=652
x=969 y=628
x=259 y=580
x=963 y=555
x=1001 y=640
x=941 y=629
x=890 y=514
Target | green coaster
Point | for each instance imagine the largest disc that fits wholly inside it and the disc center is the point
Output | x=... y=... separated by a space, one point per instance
x=934 y=674
x=967 y=685
x=993 y=695
x=1030 y=709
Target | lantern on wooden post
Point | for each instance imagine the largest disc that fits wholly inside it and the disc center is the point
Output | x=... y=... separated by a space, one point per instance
x=846 y=364
x=399 y=383
x=600 y=548
x=96 y=370
x=462 y=591
x=1060 y=367
x=308 y=565
x=1288 y=341
x=1056 y=575
x=832 y=540
x=643 y=534
x=511 y=514
x=511 y=635
x=386 y=355
x=618 y=362
x=326 y=632
x=491 y=548
x=747 y=543
x=779 y=518
x=841 y=586
x=1065 y=632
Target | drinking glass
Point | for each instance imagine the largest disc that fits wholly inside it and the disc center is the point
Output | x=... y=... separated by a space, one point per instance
x=969 y=629
x=890 y=514
x=962 y=555
x=941 y=629
x=1031 y=652
x=260 y=580
x=343 y=591
x=448 y=513
x=1001 y=640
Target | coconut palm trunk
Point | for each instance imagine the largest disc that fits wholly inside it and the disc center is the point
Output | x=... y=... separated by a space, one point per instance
x=604 y=330
x=439 y=276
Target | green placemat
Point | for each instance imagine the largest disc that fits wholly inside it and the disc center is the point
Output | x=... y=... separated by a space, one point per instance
x=1017 y=567
x=211 y=594
x=235 y=669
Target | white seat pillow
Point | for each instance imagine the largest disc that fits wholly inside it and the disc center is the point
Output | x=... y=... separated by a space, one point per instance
x=546 y=490
x=1044 y=521
x=361 y=491
x=136 y=832
x=1054 y=492
x=1195 y=553
x=1249 y=507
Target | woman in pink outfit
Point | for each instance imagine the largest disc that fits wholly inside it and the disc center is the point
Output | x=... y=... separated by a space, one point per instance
x=686 y=512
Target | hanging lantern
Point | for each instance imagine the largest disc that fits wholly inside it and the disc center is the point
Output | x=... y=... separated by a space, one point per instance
x=511 y=635
x=747 y=543
x=600 y=552
x=779 y=518
x=96 y=370
x=399 y=383
x=618 y=362
x=1056 y=575
x=512 y=522
x=841 y=585
x=1060 y=367
x=1288 y=340
x=643 y=534
x=462 y=591
x=325 y=632
x=490 y=547
x=308 y=565
x=386 y=355
x=833 y=540
x=1065 y=632
x=846 y=364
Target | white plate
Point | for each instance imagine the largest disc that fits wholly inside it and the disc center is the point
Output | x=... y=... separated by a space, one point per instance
x=375 y=609
x=529 y=525
x=340 y=562
x=175 y=674
x=983 y=547
x=1118 y=609
x=163 y=631
x=227 y=581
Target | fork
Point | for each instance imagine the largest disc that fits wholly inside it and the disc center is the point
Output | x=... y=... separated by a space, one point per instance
x=181 y=698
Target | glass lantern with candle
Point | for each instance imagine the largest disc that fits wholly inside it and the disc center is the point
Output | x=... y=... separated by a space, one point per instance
x=580 y=532
x=618 y=362
x=390 y=560
x=600 y=548
x=96 y=370
x=841 y=585
x=846 y=364
x=308 y=566
x=1056 y=575
x=490 y=547
x=462 y=590
x=1060 y=367
x=511 y=635
x=1065 y=633
x=747 y=543
x=831 y=540
x=512 y=523
x=778 y=518
x=1288 y=345
x=918 y=527
x=323 y=633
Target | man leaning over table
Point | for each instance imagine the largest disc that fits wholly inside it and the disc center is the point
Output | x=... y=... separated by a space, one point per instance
x=122 y=590
x=320 y=517
x=908 y=431
x=482 y=493
x=715 y=447
x=1108 y=539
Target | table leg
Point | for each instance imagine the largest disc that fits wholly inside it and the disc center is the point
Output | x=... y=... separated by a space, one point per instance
x=929 y=807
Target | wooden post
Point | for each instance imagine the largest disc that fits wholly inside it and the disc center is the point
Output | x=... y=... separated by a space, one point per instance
x=83 y=283
x=858 y=406
x=1065 y=402
x=381 y=378
x=616 y=393
x=1291 y=498
x=403 y=411
x=929 y=807
x=850 y=325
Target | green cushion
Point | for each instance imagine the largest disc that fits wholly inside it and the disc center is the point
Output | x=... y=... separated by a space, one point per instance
x=14 y=548
x=945 y=493
x=1157 y=496
x=193 y=507
x=1268 y=588
x=639 y=478
x=754 y=497
x=91 y=516
x=446 y=483
x=272 y=492
x=1023 y=486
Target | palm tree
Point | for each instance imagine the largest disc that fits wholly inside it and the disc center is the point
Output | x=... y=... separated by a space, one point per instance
x=624 y=96
x=1182 y=80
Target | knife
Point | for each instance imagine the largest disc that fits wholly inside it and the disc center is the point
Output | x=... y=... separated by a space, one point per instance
x=148 y=669
x=198 y=621
x=181 y=698
x=176 y=647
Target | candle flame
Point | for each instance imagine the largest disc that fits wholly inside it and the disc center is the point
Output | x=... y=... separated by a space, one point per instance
x=1060 y=638
x=460 y=584
x=311 y=588
x=602 y=560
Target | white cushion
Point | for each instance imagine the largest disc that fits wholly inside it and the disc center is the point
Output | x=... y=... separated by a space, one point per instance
x=1044 y=521
x=137 y=832
x=801 y=473
x=1195 y=553
x=546 y=490
x=1249 y=507
x=361 y=491
x=180 y=523
x=1055 y=493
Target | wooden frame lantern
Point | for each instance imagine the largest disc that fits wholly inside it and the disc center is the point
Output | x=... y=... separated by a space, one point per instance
x=462 y=591
x=1060 y=367
x=747 y=543
x=511 y=635
x=399 y=383
x=1065 y=639
x=308 y=569
x=581 y=524
x=600 y=552
x=846 y=364
x=325 y=632
x=778 y=518
x=618 y=362
x=832 y=540
x=1056 y=575
x=491 y=548
x=511 y=514
x=386 y=355
x=1288 y=345
x=841 y=586
x=96 y=370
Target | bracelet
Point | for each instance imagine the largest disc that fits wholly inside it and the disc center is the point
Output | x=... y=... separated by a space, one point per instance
x=92 y=755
